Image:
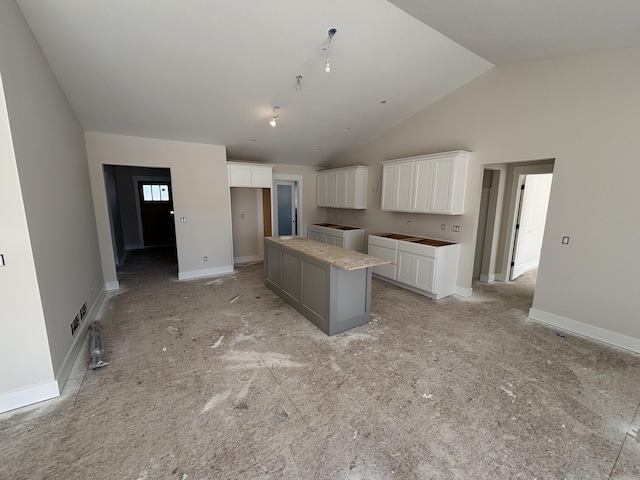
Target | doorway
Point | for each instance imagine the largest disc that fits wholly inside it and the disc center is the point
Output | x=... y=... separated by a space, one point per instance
x=156 y=212
x=286 y=211
x=531 y=207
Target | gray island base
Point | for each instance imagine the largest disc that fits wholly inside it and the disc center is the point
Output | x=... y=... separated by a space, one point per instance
x=329 y=285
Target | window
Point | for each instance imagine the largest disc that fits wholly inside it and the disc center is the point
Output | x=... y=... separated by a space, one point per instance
x=155 y=193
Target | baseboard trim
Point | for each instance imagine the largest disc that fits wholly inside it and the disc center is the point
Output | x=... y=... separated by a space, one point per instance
x=250 y=258
x=596 y=333
x=208 y=272
x=109 y=286
x=500 y=277
x=134 y=246
x=488 y=278
x=78 y=342
x=28 y=396
x=463 y=292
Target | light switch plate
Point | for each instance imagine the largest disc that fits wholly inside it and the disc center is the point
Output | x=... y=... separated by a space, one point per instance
x=565 y=240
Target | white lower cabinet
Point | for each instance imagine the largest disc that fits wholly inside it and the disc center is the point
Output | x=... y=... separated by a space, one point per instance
x=425 y=266
x=344 y=236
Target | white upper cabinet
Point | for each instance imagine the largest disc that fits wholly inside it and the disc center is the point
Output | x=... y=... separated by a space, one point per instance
x=342 y=187
x=397 y=186
x=426 y=184
x=249 y=175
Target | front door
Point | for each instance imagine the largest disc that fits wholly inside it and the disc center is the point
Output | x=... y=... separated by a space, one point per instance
x=156 y=210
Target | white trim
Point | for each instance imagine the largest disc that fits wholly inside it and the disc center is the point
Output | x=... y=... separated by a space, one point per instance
x=134 y=246
x=205 y=272
x=78 y=342
x=500 y=277
x=28 y=396
x=596 y=333
x=115 y=285
x=247 y=259
x=463 y=292
x=488 y=278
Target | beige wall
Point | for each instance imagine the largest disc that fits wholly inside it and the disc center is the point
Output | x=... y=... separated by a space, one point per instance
x=246 y=203
x=50 y=156
x=200 y=193
x=583 y=112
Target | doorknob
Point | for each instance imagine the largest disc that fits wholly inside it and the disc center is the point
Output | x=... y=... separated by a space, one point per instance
x=171 y=212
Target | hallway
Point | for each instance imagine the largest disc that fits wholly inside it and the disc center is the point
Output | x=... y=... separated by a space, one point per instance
x=220 y=379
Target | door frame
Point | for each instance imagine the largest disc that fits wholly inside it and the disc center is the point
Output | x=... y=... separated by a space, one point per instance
x=274 y=206
x=518 y=179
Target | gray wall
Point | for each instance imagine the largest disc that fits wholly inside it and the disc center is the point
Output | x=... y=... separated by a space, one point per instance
x=583 y=112
x=53 y=173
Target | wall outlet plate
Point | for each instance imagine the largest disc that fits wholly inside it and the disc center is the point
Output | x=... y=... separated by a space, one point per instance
x=565 y=240
x=456 y=228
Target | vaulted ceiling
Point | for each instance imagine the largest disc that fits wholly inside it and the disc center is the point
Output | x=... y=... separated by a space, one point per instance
x=212 y=71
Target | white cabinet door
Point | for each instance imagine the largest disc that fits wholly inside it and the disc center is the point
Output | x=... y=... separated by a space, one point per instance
x=336 y=241
x=397 y=186
x=239 y=175
x=341 y=189
x=405 y=268
x=321 y=189
x=331 y=189
x=424 y=268
x=260 y=177
x=442 y=185
x=423 y=186
x=318 y=237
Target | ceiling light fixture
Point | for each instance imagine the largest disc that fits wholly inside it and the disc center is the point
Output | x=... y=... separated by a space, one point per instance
x=274 y=118
x=327 y=65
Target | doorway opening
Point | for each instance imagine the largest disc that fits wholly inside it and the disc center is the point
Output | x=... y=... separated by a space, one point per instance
x=140 y=205
x=286 y=210
x=511 y=221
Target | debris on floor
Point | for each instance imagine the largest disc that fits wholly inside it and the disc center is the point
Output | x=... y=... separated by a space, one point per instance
x=96 y=345
x=561 y=335
x=234 y=299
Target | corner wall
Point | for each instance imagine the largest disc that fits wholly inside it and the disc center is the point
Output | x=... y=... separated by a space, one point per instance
x=200 y=193
x=580 y=110
x=50 y=156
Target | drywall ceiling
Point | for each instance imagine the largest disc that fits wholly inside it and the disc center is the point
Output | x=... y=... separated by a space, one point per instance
x=510 y=31
x=211 y=71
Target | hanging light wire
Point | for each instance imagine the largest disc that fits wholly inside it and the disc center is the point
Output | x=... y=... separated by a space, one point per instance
x=327 y=65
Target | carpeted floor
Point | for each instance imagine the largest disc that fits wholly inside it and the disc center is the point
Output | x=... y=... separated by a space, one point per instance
x=211 y=388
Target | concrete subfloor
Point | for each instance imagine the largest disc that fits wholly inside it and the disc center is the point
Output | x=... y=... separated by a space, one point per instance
x=450 y=389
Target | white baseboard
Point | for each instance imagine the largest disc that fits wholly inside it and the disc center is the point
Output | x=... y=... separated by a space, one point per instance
x=597 y=333
x=463 y=292
x=78 y=342
x=134 y=246
x=250 y=258
x=500 y=277
x=488 y=278
x=531 y=265
x=205 y=272
x=28 y=396
x=115 y=285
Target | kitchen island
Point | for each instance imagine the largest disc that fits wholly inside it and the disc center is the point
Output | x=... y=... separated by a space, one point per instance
x=329 y=285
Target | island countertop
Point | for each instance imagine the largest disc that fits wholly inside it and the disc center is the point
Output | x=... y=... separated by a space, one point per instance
x=336 y=256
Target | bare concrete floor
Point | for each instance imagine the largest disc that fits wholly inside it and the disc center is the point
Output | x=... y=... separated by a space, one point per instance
x=449 y=389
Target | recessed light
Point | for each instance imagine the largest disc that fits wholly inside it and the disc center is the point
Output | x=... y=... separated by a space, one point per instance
x=382 y=102
x=253 y=141
x=346 y=129
x=319 y=149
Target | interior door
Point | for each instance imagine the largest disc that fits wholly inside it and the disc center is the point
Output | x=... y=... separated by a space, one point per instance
x=156 y=210
x=286 y=210
x=523 y=229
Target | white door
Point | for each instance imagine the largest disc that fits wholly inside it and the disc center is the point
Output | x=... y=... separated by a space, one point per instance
x=425 y=271
x=405 y=268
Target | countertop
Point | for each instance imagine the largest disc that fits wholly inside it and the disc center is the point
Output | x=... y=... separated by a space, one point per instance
x=336 y=256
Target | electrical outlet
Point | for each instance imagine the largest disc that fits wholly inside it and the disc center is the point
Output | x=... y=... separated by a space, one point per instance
x=408 y=223
x=204 y=259
x=242 y=215
x=183 y=219
x=456 y=228
x=443 y=227
x=565 y=240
